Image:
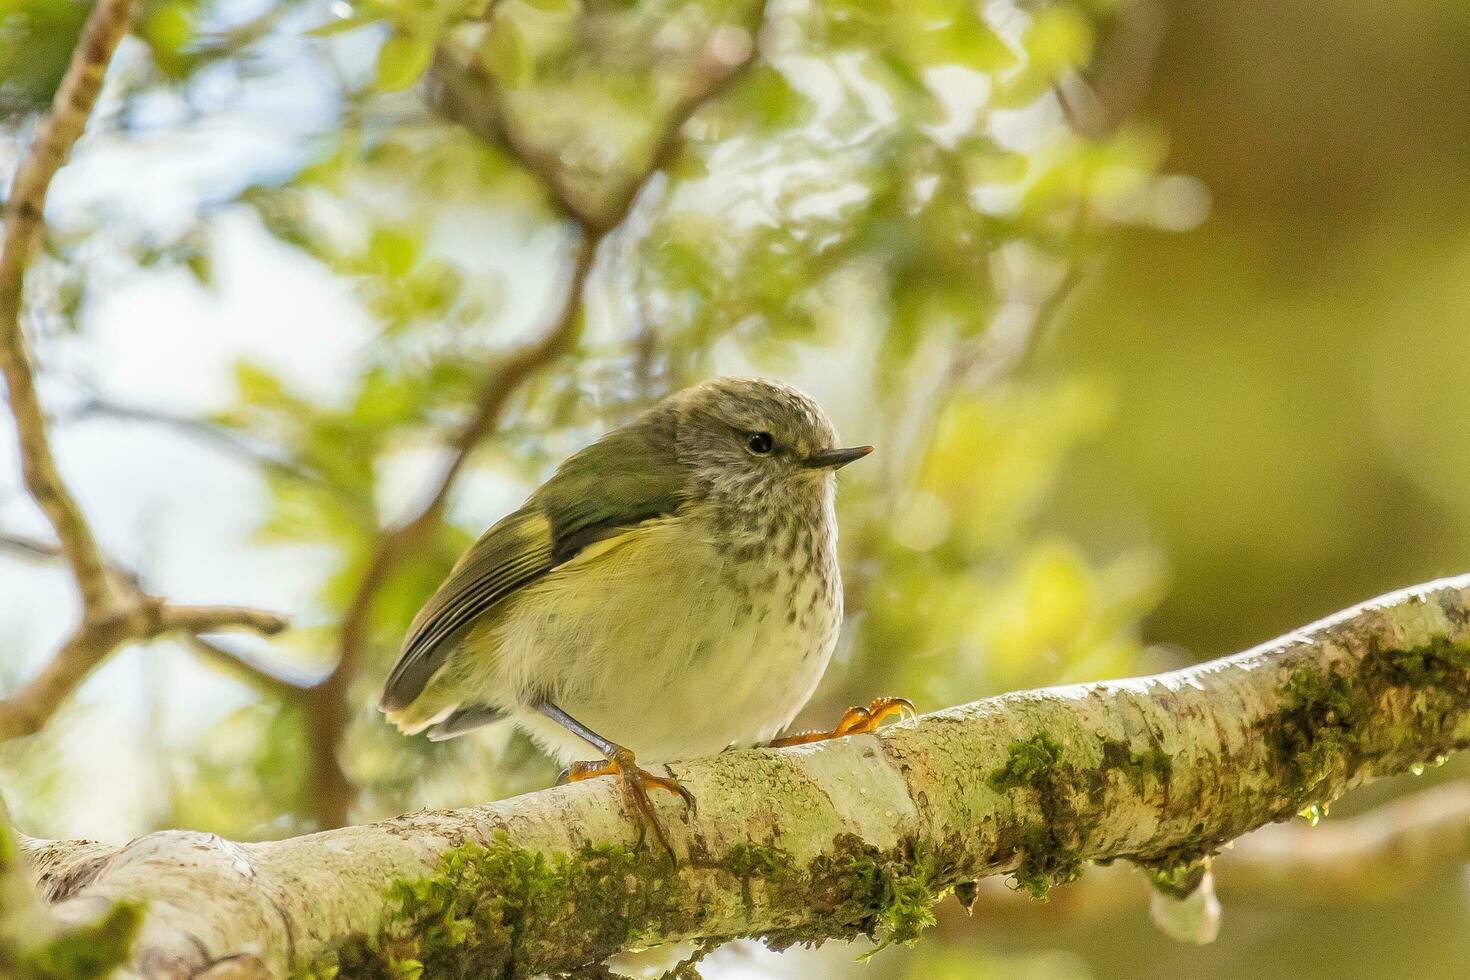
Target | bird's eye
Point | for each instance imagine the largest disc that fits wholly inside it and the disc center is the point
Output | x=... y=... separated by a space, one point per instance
x=759 y=443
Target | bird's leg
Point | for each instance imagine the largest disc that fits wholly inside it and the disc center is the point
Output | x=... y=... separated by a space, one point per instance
x=855 y=721
x=619 y=762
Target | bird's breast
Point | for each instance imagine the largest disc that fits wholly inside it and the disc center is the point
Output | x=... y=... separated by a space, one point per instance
x=693 y=642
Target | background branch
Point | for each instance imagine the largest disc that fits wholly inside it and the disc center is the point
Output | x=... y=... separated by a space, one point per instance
x=846 y=838
x=268 y=678
x=25 y=208
x=142 y=618
x=219 y=437
x=115 y=610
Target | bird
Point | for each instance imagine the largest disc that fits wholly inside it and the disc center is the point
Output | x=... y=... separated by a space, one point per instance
x=671 y=591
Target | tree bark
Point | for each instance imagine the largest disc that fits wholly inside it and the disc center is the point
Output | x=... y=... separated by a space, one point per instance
x=848 y=837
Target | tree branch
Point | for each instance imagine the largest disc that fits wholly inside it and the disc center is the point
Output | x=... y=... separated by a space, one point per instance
x=849 y=837
x=115 y=610
x=208 y=619
x=142 y=617
x=219 y=437
x=25 y=208
x=264 y=677
x=25 y=546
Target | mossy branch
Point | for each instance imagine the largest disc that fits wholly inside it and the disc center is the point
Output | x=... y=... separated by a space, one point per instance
x=840 y=839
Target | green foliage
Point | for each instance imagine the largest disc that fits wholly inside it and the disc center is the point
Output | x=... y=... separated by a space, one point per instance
x=36 y=40
x=245 y=780
x=91 y=952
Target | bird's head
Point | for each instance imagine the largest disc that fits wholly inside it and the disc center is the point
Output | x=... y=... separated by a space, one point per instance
x=748 y=438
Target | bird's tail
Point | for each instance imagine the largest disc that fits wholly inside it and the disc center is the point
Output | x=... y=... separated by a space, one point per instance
x=465 y=719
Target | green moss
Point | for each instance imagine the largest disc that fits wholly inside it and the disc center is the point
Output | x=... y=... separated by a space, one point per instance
x=1030 y=763
x=1324 y=733
x=1438 y=663
x=504 y=910
x=1137 y=767
x=90 y=952
x=747 y=860
x=1314 y=728
x=859 y=890
x=1037 y=764
x=896 y=897
x=501 y=910
x=1045 y=863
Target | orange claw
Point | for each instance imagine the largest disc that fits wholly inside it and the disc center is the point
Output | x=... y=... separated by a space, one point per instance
x=855 y=721
x=635 y=782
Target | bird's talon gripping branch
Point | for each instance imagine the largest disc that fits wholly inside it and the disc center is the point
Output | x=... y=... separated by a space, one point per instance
x=635 y=783
x=855 y=721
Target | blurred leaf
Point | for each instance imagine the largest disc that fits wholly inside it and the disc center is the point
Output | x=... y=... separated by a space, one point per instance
x=964 y=40
x=505 y=54
x=36 y=40
x=1058 y=38
x=768 y=100
x=393 y=250
x=167 y=28
x=402 y=61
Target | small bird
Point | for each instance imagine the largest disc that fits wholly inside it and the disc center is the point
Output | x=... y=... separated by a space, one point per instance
x=671 y=591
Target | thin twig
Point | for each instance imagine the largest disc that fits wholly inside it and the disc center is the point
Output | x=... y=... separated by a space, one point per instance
x=267 y=678
x=217 y=436
x=139 y=618
x=208 y=619
x=190 y=619
x=27 y=547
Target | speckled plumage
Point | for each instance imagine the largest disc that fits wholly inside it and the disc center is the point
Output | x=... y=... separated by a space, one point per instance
x=670 y=587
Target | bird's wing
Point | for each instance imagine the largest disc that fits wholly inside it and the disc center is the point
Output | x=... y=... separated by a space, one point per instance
x=624 y=479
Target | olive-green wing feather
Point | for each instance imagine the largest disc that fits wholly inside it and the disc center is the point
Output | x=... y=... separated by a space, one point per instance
x=628 y=477
x=513 y=552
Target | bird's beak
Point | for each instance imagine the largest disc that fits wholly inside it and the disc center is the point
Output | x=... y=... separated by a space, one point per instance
x=835 y=459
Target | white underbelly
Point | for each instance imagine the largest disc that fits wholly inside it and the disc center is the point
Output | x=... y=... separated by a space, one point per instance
x=672 y=659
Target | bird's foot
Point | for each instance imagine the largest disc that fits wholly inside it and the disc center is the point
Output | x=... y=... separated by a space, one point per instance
x=635 y=782
x=855 y=721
